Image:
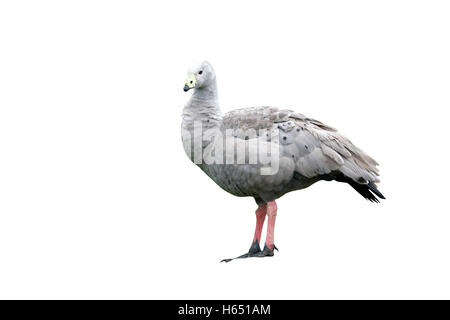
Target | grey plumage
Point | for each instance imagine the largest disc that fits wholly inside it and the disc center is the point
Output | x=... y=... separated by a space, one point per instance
x=307 y=150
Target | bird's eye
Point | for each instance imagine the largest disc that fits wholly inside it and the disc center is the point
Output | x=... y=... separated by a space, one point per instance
x=200 y=72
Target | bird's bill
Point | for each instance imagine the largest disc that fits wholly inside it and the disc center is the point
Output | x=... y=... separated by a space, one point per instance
x=190 y=83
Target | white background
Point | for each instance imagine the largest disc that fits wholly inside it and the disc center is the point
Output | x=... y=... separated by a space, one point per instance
x=98 y=200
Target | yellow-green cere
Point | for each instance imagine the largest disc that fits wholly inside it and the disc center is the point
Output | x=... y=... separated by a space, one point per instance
x=191 y=81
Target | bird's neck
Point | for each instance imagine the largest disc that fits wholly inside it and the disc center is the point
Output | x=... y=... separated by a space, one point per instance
x=203 y=107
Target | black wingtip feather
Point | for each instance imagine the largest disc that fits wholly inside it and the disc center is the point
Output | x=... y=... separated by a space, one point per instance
x=368 y=191
x=374 y=189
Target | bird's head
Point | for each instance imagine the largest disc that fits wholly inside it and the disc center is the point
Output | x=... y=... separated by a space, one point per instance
x=200 y=76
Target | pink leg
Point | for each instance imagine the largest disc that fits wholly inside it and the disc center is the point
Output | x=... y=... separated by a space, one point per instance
x=269 y=208
x=271 y=216
x=260 y=217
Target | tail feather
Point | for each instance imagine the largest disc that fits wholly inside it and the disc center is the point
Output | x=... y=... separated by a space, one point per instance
x=368 y=190
x=375 y=190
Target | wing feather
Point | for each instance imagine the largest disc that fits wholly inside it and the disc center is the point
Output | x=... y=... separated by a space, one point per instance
x=317 y=148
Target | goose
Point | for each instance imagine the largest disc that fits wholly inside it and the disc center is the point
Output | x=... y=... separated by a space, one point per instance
x=265 y=152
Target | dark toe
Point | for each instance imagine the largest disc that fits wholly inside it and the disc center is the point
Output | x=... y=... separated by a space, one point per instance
x=267 y=252
x=255 y=251
x=255 y=248
x=245 y=255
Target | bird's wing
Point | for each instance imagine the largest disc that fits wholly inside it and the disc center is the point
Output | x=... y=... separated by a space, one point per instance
x=316 y=148
x=243 y=121
x=326 y=150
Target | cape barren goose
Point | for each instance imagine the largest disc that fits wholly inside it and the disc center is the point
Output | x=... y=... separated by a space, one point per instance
x=265 y=152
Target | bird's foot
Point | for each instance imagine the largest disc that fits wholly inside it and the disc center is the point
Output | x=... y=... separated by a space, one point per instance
x=255 y=251
x=266 y=252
